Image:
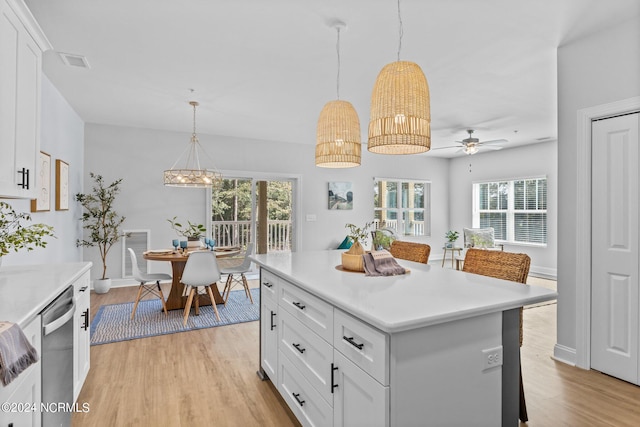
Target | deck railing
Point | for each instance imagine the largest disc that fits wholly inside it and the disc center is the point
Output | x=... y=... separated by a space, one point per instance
x=238 y=233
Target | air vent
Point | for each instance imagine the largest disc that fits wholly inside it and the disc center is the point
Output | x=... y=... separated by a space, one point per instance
x=74 y=60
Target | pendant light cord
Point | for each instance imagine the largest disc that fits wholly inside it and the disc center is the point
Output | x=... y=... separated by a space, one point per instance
x=400 y=31
x=338 y=52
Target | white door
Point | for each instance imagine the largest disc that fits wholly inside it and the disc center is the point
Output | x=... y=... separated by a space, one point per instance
x=614 y=247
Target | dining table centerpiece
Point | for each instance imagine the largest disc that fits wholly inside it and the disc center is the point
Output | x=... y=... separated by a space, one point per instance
x=352 y=258
x=191 y=231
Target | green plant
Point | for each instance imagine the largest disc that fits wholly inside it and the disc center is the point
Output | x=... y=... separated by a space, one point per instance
x=452 y=236
x=382 y=239
x=358 y=235
x=99 y=218
x=190 y=230
x=15 y=236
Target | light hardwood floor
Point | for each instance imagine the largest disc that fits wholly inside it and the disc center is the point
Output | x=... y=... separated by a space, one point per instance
x=208 y=377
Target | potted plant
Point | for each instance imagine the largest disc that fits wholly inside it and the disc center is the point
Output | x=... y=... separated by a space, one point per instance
x=451 y=236
x=102 y=222
x=352 y=258
x=382 y=239
x=15 y=236
x=192 y=232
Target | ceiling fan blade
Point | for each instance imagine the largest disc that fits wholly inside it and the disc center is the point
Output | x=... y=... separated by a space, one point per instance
x=489 y=147
x=443 y=148
x=494 y=141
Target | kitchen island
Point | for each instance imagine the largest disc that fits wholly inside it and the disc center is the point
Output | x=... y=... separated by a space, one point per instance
x=432 y=347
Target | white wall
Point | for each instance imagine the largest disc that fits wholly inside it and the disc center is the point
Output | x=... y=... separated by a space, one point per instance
x=139 y=156
x=520 y=162
x=62 y=136
x=595 y=70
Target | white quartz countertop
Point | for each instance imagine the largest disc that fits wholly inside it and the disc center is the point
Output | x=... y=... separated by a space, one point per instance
x=428 y=295
x=26 y=290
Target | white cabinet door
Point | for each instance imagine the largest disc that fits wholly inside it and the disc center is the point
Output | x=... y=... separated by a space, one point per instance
x=614 y=271
x=358 y=399
x=20 y=76
x=81 y=334
x=269 y=338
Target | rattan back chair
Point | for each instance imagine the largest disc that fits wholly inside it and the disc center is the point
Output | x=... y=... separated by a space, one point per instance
x=507 y=266
x=411 y=251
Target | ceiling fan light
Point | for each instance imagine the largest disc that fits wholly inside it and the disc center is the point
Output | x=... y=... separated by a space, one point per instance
x=471 y=149
x=400 y=120
x=338 y=136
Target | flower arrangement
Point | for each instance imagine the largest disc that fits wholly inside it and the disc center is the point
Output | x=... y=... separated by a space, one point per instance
x=190 y=230
x=359 y=236
x=15 y=236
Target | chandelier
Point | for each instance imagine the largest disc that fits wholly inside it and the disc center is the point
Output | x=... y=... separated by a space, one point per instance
x=400 y=120
x=338 y=132
x=191 y=175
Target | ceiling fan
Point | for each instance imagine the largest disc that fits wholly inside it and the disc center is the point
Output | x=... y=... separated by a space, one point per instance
x=472 y=145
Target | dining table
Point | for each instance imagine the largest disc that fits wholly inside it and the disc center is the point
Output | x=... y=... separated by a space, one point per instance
x=178 y=259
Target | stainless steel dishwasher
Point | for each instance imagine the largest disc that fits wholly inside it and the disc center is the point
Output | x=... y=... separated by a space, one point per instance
x=57 y=360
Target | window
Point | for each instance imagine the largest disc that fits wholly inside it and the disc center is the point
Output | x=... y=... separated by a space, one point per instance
x=517 y=210
x=403 y=205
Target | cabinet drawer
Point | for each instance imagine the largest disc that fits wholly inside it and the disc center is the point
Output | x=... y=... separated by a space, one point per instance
x=314 y=313
x=81 y=286
x=308 y=352
x=269 y=285
x=364 y=345
x=305 y=402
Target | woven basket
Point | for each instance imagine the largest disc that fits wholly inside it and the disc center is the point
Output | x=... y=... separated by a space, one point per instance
x=352 y=262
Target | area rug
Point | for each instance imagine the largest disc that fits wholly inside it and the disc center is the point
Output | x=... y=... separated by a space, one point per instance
x=112 y=323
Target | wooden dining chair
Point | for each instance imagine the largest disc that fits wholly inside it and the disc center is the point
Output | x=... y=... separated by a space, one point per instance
x=201 y=270
x=507 y=266
x=411 y=251
x=145 y=289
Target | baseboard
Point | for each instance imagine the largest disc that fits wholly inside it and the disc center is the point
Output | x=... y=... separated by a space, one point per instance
x=564 y=354
x=543 y=272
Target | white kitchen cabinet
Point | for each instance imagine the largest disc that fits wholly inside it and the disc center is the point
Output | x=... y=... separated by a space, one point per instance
x=81 y=333
x=322 y=386
x=23 y=395
x=21 y=45
x=269 y=325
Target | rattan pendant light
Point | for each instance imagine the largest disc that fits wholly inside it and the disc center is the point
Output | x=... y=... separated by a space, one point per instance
x=338 y=132
x=191 y=174
x=400 y=121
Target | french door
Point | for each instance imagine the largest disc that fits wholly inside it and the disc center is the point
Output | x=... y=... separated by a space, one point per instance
x=255 y=209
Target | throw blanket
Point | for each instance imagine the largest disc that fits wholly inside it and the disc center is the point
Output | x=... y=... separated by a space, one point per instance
x=16 y=352
x=381 y=263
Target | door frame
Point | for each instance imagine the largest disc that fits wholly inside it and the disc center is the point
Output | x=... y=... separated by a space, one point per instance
x=296 y=189
x=583 y=221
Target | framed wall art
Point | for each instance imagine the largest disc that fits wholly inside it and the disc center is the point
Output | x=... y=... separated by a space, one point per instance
x=340 y=195
x=42 y=202
x=62 y=185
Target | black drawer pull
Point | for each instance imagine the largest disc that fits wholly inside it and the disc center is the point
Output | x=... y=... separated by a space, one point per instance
x=273 y=325
x=333 y=369
x=82 y=289
x=352 y=342
x=300 y=306
x=25 y=178
x=297 y=397
x=267 y=284
x=85 y=321
x=297 y=346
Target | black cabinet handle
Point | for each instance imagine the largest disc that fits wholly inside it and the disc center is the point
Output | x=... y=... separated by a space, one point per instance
x=297 y=347
x=333 y=369
x=25 y=178
x=84 y=288
x=85 y=322
x=267 y=284
x=352 y=342
x=300 y=306
x=297 y=397
x=273 y=325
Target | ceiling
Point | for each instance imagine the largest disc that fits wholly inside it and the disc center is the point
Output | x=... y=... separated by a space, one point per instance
x=264 y=69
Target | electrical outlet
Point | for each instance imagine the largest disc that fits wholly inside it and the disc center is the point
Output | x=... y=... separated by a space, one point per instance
x=311 y=217
x=491 y=358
